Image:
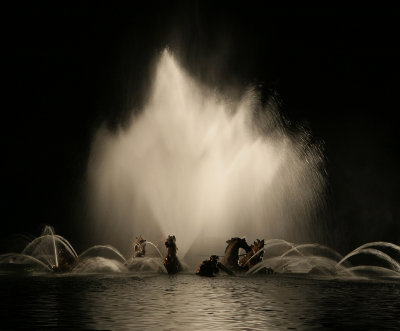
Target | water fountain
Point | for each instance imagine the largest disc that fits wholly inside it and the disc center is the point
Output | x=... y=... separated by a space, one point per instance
x=147 y=263
x=206 y=167
x=42 y=254
x=324 y=261
x=52 y=252
x=49 y=251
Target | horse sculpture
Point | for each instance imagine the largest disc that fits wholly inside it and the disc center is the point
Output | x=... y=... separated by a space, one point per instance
x=249 y=260
x=171 y=261
x=210 y=267
x=231 y=257
x=139 y=247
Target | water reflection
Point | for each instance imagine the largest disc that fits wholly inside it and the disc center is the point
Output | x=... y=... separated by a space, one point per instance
x=188 y=302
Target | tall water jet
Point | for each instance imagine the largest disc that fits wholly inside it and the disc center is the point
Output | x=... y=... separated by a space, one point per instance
x=204 y=167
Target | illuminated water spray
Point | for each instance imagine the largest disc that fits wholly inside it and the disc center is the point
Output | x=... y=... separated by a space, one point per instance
x=204 y=167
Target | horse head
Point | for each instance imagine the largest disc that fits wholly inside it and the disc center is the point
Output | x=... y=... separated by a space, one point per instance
x=236 y=243
x=170 y=242
x=232 y=252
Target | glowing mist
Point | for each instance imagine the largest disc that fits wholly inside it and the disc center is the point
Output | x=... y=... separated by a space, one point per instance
x=204 y=167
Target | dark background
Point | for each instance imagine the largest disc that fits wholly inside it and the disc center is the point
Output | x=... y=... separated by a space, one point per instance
x=65 y=70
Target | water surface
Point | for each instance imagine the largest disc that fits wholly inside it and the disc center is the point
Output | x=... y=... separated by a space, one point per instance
x=188 y=302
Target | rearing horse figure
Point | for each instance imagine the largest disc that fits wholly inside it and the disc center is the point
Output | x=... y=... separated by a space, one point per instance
x=171 y=261
x=231 y=257
x=248 y=261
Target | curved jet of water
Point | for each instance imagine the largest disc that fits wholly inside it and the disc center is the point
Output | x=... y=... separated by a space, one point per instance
x=149 y=242
x=380 y=243
x=278 y=242
x=255 y=254
x=66 y=243
x=274 y=242
x=330 y=250
x=374 y=252
x=376 y=269
x=25 y=256
x=106 y=247
x=34 y=242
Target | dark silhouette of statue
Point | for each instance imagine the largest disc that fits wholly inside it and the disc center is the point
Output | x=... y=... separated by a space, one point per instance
x=211 y=267
x=231 y=258
x=171 y=261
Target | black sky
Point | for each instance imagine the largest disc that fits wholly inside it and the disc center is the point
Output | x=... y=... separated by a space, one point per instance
x=68 y=69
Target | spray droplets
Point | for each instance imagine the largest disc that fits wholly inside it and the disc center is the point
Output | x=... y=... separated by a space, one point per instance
x=198 y=164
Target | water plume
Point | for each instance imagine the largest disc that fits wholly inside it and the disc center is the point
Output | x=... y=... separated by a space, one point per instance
x=204 y=167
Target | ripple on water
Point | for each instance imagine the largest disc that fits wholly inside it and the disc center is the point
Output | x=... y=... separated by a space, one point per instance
x=187 y=301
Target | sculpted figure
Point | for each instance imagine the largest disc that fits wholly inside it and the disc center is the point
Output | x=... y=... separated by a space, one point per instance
x=211 y=267
x=171 y=261
x=231 y=257
x=248 y=261
x=139 y=247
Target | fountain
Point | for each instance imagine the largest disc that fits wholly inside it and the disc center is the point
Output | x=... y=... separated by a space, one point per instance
x=206 y=166
x=147 y=263
x=327 y=262
x=155 y=246
x=50 y=252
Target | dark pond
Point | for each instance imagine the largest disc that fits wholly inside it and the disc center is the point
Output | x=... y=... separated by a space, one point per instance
x=188 y=302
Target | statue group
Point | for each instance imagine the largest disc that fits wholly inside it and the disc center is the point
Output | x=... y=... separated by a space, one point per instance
x=64 y=258
x=231 y=262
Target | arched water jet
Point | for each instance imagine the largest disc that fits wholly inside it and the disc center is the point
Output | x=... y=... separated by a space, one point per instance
x=312 y=260
x=46 y=249
x=374 y=252
x=104 y=251
x=49 y=230
x=99 y=264
x=369 y=271
x=55 y=249
x=66 y=243
x=271 y=242
x=17 y=258
x=322 y=247
x=149 y=242
x=279 y=242
x=318 y=265
x=380 y=244
x=255 y=255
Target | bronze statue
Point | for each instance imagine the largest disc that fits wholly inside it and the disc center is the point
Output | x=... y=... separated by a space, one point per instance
x=139 y=247
x=210 y=267
x=231 y=257
x=171 y=261
x=248 y=261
